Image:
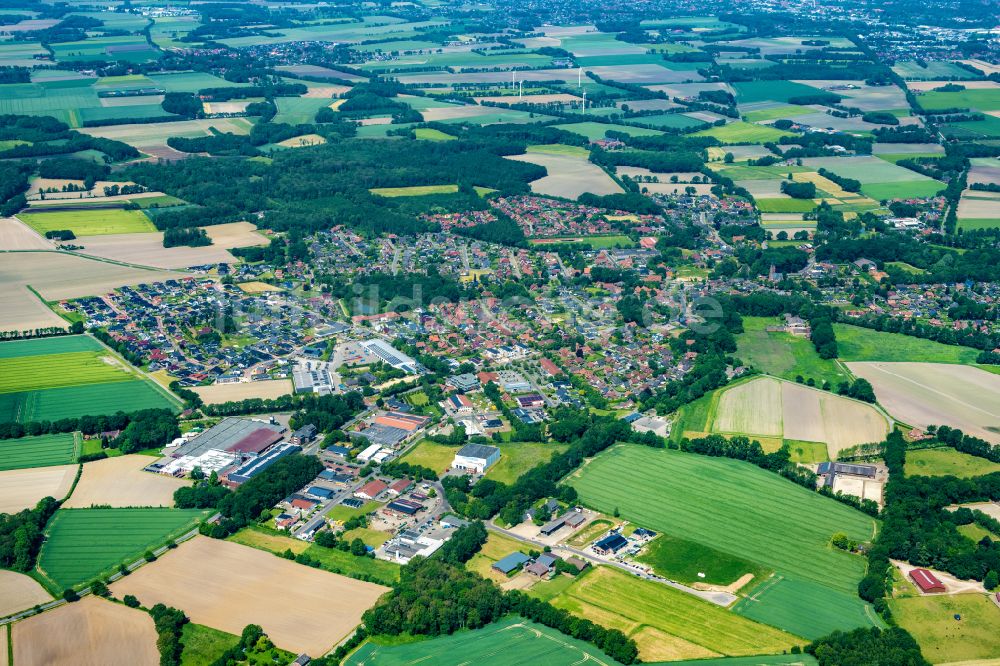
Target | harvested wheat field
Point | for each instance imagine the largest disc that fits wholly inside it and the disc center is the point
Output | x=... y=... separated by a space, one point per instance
x=16 y=235
x=768 y=407
x=23 y=488
x=303 y=141
x=120 y=482
x=923 y=394
x=226 y=586
x=568 y=176
x=258 y=287
x=19 y=592
x=58 y=275
x=147 y=249
x=4 y=632
x=219 y=393
x=548 y=98
x=89 y=632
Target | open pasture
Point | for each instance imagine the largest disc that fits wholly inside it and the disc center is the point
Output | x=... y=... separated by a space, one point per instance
x=120 y=482
x=509 y=641
x=516 y=458
x=432 y=455
x=783 y=354
x=81 y=544
x=19 y=592
x=942 y=638
x=911 y=70
x=414 y=191
x=219 y=393
x=767 y=407
x=568 y=176
x=977 y=99
x=748 y=92
x=923 y=394
x=946 y=461
x=24 y=488
x=39 y=451
x=741 y=132
x=594 y=131
x=90 y=631
x=666 y=624
x=226 y=586
x=855 y=343
x=682 y=560
x=89 y=222
x=744 y=511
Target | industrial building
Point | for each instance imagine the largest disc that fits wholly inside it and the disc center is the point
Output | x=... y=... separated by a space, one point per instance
x=475 y=458
x=257 y=465
x=387 y=353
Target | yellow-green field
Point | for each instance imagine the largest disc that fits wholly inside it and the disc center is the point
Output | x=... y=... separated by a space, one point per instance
x=89 y=222
x=415 y=191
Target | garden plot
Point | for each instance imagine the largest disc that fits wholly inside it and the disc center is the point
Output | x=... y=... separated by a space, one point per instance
x=923 y=394
x=90 y=631
x=226 y=585
x=24 y=488
x=19 y=592
x=120 y=482
x=568 y=176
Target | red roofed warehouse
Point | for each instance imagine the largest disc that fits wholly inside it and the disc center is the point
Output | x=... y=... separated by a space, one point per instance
x=371 y=490
x=926 y=581
x=256 y=442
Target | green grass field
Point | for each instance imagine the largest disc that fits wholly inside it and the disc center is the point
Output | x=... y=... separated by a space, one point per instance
x=516 y=458
x=415 y=191
x=748 y=92
x=784 y=111
x=741 y=132
x=72 y=376
x=682 y=560
x=94 y=222
x=437 y=457
x=594 y=131
x=979 y=99
x=666 y=623
x=513 y=640
x=742 y=510
x=429 y=134
x=942 y=638
x=767 y=660
x=82 y=544
x=40 y=451
x=203 y=645
x=782 y=354
x=559 y=149
x=855 y=343
x=785 y=205
x=945 y=462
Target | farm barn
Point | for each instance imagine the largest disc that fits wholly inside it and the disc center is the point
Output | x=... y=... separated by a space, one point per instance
x=926 y=581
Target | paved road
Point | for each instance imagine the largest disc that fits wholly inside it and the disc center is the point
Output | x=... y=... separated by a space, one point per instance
x=723 y=599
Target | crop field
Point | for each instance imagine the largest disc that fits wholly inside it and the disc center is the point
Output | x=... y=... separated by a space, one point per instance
x=38 y=380
x=923 y=394
x=226 y=586
x=90 y=631
x=942 y=638
x=40 y=451
x=987 y=99
x=783 y=354
x=767 y=407
x=746 y=512
x=18 y=592
x=120 y=482
x=24 y=488
x=879 y=178
x=512 y=640
x=856 y=343
x=429 y=134
x=947 y=462
x=670 y=120
x=771 y=91
x=93 y=222
x=568 y=176
x=741 y=132
x=786 y=205
x=84 y=543
x=665 y=623
x=774 y=112
x=219 y=393
x=594 y=131
x=415 y=191
x=933 y=70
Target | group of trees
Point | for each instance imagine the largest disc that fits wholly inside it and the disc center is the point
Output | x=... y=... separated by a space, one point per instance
x=22 y=534
x=190 y=236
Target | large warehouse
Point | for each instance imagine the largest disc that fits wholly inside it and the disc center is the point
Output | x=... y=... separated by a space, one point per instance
x=475 y=458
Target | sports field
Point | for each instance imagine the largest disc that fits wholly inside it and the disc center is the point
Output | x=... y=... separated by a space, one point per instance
x=783 y=354
x=89 y=222
x=71 y=376
x=923 y=394
x=666 y=624
x=855 y=343
x=942 y=638
x=40 y=451
x=84 y=543
x=512 y=640
x=739 y=509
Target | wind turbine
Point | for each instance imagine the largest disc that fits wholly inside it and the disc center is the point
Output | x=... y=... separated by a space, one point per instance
x=584 y=101
x=579 y=77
